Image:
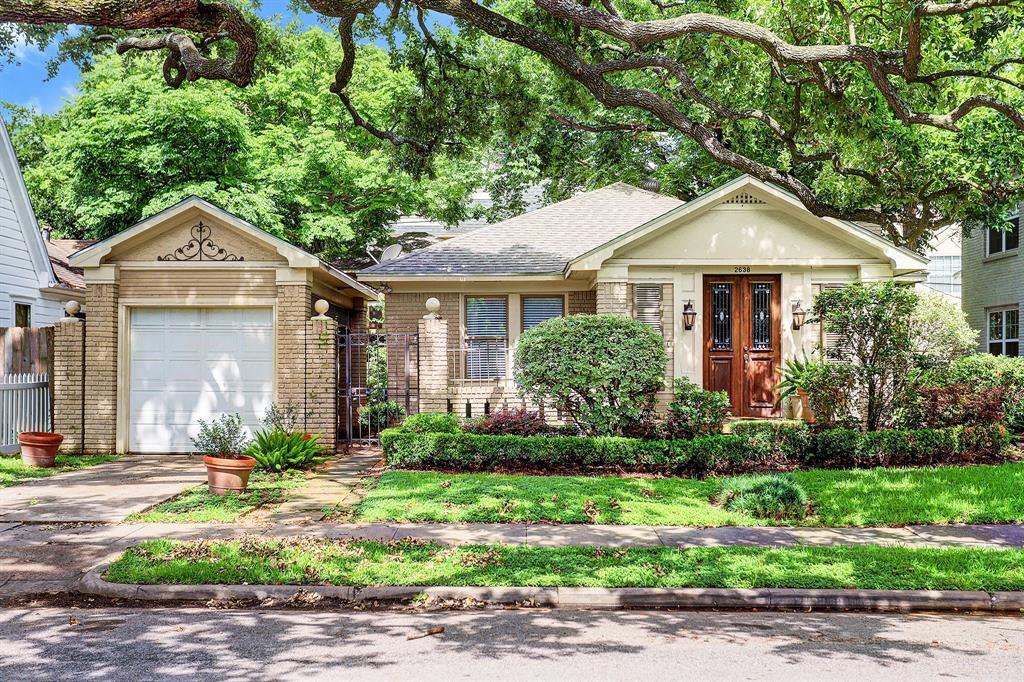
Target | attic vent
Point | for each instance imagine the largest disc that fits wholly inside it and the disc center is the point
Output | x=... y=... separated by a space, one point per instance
x=742 y=198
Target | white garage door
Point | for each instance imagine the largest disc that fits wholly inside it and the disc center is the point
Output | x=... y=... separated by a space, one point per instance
x=189 y=364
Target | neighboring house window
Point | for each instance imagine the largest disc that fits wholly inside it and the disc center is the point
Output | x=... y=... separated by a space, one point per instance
x=1004 y=332
x=1000 y=241
x=22 y=315
x=647 y=304
x=486 y=336
x=537 y=309
x=944 y=275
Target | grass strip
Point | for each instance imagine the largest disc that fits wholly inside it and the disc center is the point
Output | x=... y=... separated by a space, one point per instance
x=13 y=471
x=319 y=561
x=866 y=497
x=199 y=505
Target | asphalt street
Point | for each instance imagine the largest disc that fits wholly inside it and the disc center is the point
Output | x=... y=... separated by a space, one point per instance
x=198 y=644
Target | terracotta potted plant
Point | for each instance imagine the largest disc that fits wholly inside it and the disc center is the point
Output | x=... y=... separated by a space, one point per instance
x=222 y=442
x=791 y=388
x=39 y=448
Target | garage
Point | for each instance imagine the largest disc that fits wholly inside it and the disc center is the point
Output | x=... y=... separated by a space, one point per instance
x=196 y=363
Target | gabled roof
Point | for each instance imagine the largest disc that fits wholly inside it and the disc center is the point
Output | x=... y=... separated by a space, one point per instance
x=541 y=242
x=68 y=277
x=10 y=171
x=93 y=255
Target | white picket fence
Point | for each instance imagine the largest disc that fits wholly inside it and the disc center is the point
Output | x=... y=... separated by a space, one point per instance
x=24 y=406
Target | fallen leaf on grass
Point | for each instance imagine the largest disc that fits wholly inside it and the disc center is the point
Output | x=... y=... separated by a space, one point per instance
x=436 y=630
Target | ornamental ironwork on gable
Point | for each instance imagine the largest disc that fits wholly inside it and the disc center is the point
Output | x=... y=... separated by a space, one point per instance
x=200 y=248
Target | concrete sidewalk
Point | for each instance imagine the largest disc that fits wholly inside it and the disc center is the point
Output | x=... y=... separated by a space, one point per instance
x=105 y=493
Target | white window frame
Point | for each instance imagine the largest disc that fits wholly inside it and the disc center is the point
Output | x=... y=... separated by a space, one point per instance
x=1016 y=217
x=1002 y=310
x=467 y=339
x=15 y=302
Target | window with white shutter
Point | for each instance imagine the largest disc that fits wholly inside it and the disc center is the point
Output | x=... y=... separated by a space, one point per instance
x=537 y=309
x=486 y=336
x=647 y=304
x=830 y=341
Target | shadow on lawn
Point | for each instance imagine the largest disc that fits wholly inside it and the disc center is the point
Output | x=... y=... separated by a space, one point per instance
x=236 y=645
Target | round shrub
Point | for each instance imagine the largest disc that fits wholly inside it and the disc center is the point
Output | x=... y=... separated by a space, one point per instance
x=432 y=422
x=601 y=371
x=766 y=496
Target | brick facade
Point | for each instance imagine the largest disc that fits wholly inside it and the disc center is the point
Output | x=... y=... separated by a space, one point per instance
x=320 y=378
x=66 y=377
x=101 y=368
x=612 y=298
x=294 y=306
x=582 y=302
x=989 y=282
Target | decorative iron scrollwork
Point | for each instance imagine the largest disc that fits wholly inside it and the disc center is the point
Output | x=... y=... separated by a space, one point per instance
x=200 y=247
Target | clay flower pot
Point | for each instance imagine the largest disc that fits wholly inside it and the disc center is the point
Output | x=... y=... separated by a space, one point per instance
x=39 y=448
x=228 y=474
x=806 y=413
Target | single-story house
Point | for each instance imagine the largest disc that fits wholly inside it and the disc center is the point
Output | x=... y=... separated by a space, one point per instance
x=724 y=278
x=193 y=313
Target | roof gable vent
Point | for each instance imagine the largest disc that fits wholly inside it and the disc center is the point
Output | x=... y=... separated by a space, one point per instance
x=743 y=198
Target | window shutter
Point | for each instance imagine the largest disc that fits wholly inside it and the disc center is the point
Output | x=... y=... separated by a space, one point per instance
x=830 y=341
x=647 y=304
x=537 y=309
x=487 y=316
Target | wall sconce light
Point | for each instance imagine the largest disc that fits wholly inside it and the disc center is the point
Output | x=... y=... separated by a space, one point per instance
x=689 y=315
x=799 y=315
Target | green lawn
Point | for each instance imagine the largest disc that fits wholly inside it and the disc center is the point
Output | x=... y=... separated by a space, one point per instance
x=13 y=471
x=198 y=505
x=872 y=497
x=306 y=561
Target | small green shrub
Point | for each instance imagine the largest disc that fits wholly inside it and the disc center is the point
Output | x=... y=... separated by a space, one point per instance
x=380 y=415
x=432 y=422
x=694 y=411
x=766 y=496
x=831 y=390
x=601 y=371
x=774 y=440
x=223 y=436
x=280 y=450
x=988 y=371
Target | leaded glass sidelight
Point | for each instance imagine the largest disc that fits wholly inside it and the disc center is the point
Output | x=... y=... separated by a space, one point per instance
x=761 y=313
x=721 y=316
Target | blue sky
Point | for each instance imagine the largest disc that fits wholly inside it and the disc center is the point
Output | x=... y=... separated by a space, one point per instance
x=25 y=83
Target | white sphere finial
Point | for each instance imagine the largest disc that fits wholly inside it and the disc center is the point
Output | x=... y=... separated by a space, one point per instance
x=433 y=305
x=321 y=307
x=71 y=310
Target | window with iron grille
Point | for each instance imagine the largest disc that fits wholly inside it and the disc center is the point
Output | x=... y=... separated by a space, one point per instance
x=486 y=336
x=647 y=304
x=1001 y=241
x=1003 y=334
x=537 y=309
x=721 y=316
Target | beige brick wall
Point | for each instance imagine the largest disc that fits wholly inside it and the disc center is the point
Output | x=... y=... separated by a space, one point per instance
x=433 y=368
x=66 y=376
x=294 y=306
x=320 y=400
x=989 y=283
x=402 y=312
x=101 y=368
x=612 y=298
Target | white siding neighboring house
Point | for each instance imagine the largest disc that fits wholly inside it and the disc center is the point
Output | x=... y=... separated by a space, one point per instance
x=993 y=283
x=33 y=288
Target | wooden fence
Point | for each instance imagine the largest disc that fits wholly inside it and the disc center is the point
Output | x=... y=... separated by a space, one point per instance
x=25 y=401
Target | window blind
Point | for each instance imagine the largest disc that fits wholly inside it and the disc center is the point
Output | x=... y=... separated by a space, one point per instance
x=487 y=316
x=537 y=309
x=830 y=341
x=647 y=304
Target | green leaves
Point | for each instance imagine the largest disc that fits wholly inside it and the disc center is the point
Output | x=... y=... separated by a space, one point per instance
x=280 y=450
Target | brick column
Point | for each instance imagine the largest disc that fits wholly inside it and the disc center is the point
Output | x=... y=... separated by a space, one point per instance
x=613 y=298
x=66 y=377
x=433 y=340
x=101 y=368
x=293 y=308
x=321 y=379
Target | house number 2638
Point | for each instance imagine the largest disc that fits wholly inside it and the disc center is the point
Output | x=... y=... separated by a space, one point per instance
x=741 y=268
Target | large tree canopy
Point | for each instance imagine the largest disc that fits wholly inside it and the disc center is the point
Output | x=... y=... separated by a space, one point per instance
x=904 y=113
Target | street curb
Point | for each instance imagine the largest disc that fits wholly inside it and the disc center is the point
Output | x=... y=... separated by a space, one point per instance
x=581 y=598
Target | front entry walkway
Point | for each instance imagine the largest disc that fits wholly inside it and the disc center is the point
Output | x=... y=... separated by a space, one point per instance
x=106 y=493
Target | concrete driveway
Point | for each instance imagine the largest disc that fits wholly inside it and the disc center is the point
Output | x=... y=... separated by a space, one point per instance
x=106 y=493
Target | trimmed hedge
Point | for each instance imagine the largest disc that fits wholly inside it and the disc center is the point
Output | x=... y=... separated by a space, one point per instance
x=756 y=447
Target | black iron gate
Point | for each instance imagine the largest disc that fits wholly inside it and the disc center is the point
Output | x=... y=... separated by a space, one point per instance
x=378 y=383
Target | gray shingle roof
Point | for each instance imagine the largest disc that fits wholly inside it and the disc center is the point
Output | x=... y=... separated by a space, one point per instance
x=538 y=242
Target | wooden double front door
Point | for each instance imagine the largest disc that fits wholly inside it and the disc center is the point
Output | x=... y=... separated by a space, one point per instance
x=743 y=340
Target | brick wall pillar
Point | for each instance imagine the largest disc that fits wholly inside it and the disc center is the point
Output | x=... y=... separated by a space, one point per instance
x=67 y=375
x=294 y=304
x=433 y=341
x=101 y=368
x=321 y=380
x=613 y=298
